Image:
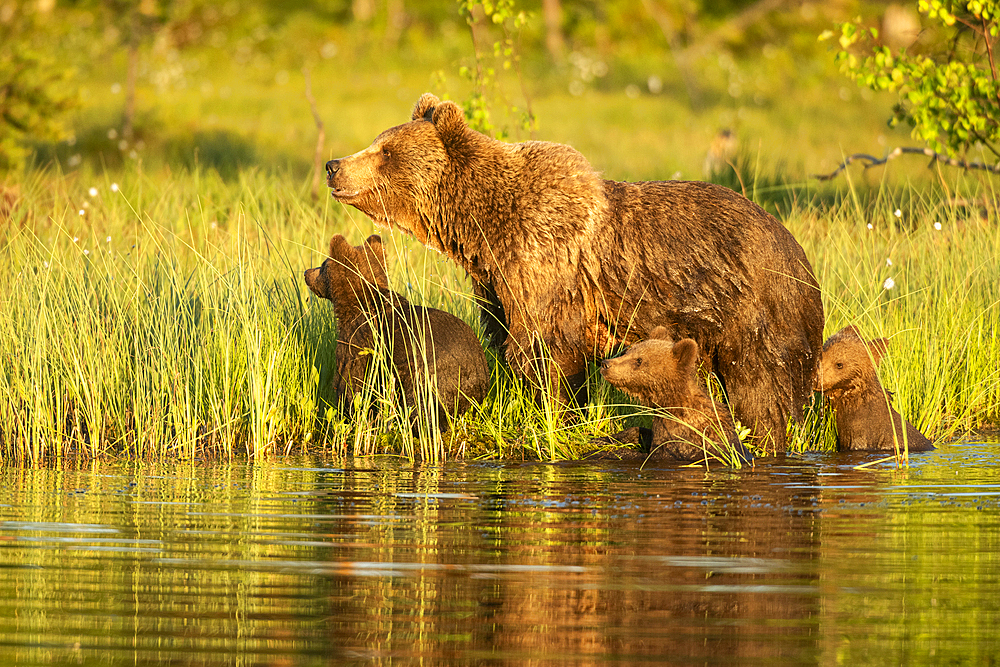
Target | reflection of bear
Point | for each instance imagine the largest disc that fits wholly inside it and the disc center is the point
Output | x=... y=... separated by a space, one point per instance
x=430 y=350
x=579 y=266
x=864 y=413
x=663 y=374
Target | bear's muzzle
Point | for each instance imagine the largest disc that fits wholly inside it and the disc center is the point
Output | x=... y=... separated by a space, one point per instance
x=332 y=167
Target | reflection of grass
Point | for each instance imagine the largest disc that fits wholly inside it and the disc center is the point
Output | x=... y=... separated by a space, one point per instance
x=191 y=329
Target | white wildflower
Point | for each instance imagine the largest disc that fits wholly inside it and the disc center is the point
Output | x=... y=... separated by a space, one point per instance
x=889 y=283
x=92 y=192
x=75 y=239
x=108 y=239
x=82 y=212
x=937 y=226
x=888 y=262
x=871 y=226
x=898 y=213
x=86 y=252
x=114 y=187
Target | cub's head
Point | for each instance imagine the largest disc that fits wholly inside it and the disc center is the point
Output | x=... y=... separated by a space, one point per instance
x=350 y=276
x=396 y=181
x=848 y=361
x=654 y=368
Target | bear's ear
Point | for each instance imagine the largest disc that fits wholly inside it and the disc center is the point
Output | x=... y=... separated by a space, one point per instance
x=449 y=119
x=660 y=333
x=374 y=259
x=849 y=332
x=375 y=250
x=424 y=109
x=878 y=348
x=339 y=247
x=686 y=354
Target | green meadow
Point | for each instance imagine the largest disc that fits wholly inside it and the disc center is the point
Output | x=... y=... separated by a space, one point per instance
x=153 y=302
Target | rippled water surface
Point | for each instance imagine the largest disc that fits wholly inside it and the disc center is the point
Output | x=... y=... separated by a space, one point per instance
x=803 y=560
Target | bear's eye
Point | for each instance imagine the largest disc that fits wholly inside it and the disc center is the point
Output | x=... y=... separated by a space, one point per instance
x=839 y=365
x=385 y=152
x=638 y=362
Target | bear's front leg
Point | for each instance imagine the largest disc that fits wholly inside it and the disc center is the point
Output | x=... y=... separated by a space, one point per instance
x=550 y=370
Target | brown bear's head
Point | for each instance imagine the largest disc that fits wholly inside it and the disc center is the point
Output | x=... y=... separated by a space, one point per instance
x=655 y=369
x=351 y=276
x=848 y=362
x=396 y=180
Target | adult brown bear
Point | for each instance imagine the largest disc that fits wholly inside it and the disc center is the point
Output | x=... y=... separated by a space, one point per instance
x=583 y=265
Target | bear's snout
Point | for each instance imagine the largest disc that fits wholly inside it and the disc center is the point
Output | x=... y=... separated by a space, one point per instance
x=312 y=279
x=332 y=167
x=818 y=381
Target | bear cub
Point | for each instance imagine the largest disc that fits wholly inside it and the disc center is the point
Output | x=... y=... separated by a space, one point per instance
x=429 y=351
x=865 y=418
x=663 y=374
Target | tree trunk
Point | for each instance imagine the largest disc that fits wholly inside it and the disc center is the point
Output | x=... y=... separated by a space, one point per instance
x=131 y=75
x=552 y=12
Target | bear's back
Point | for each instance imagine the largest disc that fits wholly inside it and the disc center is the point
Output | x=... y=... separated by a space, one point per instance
x=429 y=349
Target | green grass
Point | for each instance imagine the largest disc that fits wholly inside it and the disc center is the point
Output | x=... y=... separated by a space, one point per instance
x=942 y=311
x=190 y=332
x=171 y=320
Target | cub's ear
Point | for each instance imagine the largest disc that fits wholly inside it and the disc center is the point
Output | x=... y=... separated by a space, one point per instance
x=660 y=333
x=339 y=247
x=424 y=108
x=449 y=119
x=849 y=332
x=686 y=354
x=374 y=269
x=878 y=348
x=375 y=250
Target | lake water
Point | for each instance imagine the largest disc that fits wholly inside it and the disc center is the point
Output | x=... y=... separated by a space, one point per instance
x=302 y=561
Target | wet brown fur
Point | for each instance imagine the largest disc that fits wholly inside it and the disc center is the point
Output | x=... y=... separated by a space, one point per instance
x=355 y=280
x=865 y=417
x=581 y=266
x=663 y=374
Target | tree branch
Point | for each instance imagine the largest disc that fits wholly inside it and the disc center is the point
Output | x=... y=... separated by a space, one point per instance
x=872 y=161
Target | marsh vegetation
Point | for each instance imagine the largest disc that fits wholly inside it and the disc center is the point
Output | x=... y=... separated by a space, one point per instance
x=153 y=301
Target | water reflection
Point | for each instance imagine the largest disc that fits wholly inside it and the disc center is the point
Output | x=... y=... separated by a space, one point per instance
x=799 y=561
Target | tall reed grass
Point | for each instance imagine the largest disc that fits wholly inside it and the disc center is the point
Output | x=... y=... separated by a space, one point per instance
x=923 y=270
x=166 y=316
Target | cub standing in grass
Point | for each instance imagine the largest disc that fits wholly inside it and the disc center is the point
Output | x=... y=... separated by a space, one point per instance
x=664 y=374
x=436 y=358
x=865 y=418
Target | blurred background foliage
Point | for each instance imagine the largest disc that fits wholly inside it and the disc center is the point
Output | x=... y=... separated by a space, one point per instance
x=646 y=89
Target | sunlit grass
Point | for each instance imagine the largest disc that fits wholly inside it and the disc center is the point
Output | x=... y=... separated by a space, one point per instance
x=170 y=319
x=909 y=267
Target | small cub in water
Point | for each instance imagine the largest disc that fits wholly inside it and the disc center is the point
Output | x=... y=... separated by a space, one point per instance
x=865 y=418
x=663 y=374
